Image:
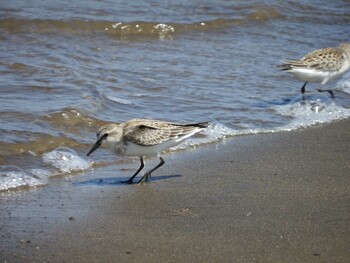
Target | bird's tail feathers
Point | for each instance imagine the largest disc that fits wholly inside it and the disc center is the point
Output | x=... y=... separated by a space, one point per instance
x=199 y=125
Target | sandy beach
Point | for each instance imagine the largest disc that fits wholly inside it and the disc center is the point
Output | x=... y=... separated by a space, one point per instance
x=281 y=197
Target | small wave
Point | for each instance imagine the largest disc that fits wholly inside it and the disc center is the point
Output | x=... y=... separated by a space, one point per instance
x=65 y=160
x=70 y=120
x=119 y=100
x=316 y=109
x=68 y=127
x=13 y=177
x=265 y=14
x=39 y=143
x=22 y=68
x=161 y=30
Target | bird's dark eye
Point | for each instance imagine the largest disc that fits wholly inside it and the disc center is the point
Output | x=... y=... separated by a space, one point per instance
x=105 y=135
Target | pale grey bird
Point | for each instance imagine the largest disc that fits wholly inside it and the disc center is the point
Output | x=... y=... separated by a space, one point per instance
x=144 y=137
x=321 y=65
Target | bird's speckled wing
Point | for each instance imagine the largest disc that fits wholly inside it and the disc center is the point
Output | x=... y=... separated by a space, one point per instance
x=327 y=59
x=152 y=132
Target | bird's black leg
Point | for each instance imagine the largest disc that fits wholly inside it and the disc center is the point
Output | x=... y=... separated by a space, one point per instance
x=302 y=90
x=139 y=170
x=145 y=177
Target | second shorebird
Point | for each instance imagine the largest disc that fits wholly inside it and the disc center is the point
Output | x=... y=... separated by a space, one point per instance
x=144 y=137
x=320 y=65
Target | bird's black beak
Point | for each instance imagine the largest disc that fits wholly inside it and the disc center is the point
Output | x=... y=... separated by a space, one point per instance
x=97 y=144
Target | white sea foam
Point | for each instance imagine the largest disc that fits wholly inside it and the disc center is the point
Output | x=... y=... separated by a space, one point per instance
x=12 y=177
x=310 y=112
x=315 y=110
x=215 y=132
x=65 y=160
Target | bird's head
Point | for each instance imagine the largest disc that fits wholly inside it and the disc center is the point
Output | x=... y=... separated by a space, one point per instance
x=110 y=134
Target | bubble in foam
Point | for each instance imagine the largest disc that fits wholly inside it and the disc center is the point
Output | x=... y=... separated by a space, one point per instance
x=66 y=160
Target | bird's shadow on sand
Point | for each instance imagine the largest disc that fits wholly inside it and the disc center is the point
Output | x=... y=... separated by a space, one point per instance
x=121 y=181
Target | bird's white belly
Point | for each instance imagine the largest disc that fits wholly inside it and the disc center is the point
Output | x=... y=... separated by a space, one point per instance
x=132 y=149
x=314 y=76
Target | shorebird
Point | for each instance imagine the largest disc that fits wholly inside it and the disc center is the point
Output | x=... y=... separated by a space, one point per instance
x=320 y=66
x=144 y=137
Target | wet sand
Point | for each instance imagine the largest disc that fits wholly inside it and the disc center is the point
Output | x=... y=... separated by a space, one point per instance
x=280 y=197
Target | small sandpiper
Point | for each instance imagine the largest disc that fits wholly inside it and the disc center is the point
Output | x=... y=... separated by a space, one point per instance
x=320 y=65
x=144 y=137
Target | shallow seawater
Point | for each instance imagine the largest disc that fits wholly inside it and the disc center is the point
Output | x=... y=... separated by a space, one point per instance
x=68 y=67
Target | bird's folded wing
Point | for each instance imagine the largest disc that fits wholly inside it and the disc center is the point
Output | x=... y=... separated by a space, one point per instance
x=324 y=59
x=148 y=135
x=327 y=59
